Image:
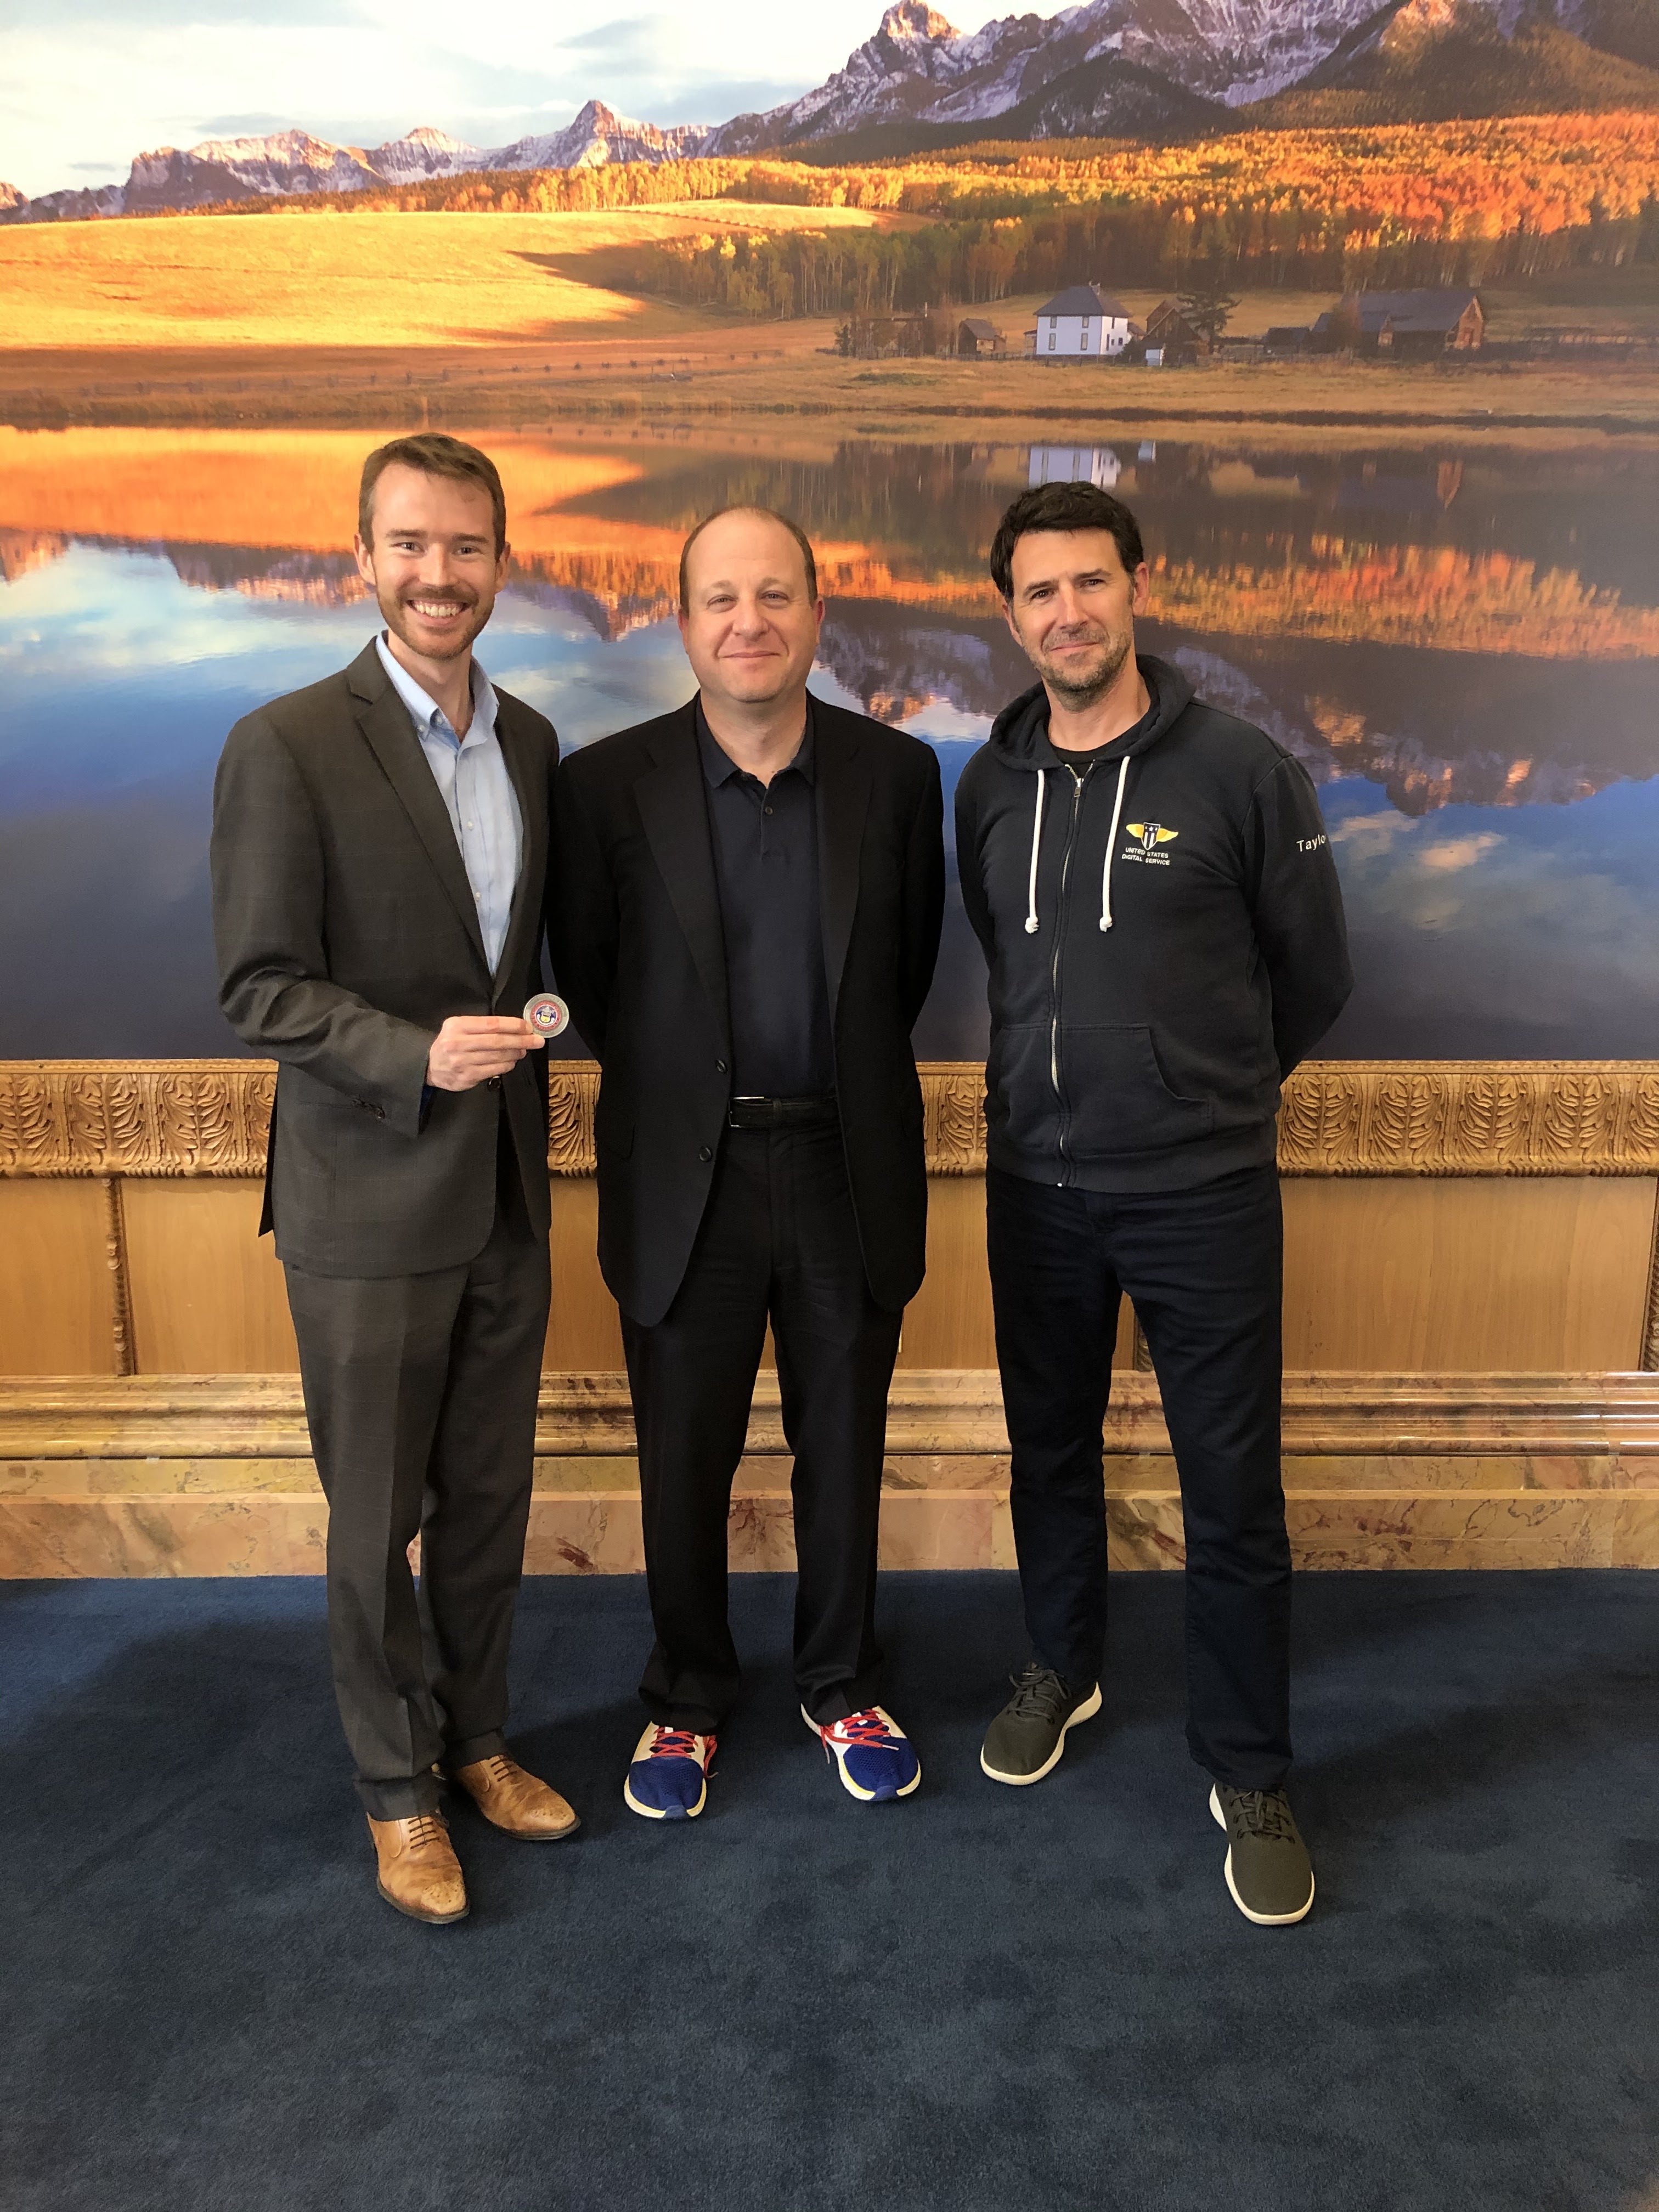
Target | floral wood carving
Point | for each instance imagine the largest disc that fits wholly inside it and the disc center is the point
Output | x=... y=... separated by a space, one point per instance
x=209 y=1117
x=1471 y=1117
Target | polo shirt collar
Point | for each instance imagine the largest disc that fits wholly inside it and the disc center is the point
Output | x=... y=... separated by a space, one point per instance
x=718 y=765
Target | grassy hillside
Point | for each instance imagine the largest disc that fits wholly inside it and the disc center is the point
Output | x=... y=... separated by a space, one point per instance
x=298 y=278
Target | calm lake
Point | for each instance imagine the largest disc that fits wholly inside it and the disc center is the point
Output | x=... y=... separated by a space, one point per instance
x=1462 y=646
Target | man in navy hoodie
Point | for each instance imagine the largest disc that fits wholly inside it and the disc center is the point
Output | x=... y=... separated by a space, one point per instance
x=1153 y=888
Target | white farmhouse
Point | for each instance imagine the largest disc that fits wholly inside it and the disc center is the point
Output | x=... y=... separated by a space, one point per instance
x=1082 y=320
x=1095 y=464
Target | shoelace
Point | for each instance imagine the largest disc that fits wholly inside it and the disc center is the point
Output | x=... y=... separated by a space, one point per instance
x=1264 y=1812
x=677 y=1743
x=425 y=1830
x=868 y=1729
x=500 y=1770
x=1039 y=1694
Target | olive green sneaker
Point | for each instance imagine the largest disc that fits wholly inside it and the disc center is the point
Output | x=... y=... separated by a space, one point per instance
x=1268 y=1870
x=1025 y=1739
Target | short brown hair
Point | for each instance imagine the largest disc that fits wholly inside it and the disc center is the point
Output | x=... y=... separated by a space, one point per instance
x=434 y=454
x=1063 y=507
x=746 y=506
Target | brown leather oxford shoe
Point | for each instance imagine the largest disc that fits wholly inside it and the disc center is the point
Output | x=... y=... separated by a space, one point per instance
x=511 y=1799
x=419 y=1872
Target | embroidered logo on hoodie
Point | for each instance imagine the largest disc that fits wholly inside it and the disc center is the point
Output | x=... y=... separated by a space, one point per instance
x=1148 y=836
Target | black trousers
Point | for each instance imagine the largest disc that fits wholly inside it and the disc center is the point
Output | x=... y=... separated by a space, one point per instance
x=779 y=1239
x=1204 y=1268
x=421 y=1394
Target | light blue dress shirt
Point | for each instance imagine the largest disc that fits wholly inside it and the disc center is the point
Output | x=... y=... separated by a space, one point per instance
x=472 y=775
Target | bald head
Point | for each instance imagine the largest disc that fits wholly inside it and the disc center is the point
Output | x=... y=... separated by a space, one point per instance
x=750 y=609
x=792 y=531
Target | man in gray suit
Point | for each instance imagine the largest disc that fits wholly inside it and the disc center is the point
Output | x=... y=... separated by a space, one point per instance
x=380 y=858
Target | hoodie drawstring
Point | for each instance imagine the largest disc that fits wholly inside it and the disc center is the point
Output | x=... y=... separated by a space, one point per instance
x=1036 y=847
x=1111 y=847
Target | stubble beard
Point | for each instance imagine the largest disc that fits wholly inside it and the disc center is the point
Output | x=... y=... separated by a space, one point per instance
x=449 y=649
x=1084 y=690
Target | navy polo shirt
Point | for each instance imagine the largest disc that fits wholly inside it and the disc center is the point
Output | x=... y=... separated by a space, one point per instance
x=765 y=840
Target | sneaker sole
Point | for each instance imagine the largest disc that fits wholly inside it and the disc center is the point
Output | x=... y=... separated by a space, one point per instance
x=1262 y=1919
x=853 y=1789
x=661 y=1812
x=1085 y=1712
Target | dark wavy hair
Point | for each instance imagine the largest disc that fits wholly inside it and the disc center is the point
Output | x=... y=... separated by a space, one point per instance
x=1063 y=507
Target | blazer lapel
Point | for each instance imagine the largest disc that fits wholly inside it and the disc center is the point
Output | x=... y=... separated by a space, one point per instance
x=675 y=814
x=386 y=724
x=843 y=783
x=526 y=910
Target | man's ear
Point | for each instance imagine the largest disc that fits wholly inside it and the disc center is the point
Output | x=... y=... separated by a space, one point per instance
x=1140 y=597
x=365 y=553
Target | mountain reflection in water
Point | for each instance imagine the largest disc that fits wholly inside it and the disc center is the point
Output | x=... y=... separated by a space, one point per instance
x=1461 y=648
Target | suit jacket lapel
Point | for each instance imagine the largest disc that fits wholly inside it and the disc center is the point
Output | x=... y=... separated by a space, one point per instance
x=386 y=724
x=526 y=912
x=842 y=786
x=675 y=815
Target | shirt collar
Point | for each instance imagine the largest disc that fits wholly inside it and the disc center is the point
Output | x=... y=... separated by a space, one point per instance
x=426 y=713
x=719 y=766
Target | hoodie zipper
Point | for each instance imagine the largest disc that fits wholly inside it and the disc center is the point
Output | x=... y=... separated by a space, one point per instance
x=1078 y=782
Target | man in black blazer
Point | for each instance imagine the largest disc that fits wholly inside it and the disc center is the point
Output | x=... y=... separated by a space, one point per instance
x=380 y=858
x=748 y=899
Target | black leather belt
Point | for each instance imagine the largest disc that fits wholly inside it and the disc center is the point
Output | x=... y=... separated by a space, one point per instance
x=819 y=1113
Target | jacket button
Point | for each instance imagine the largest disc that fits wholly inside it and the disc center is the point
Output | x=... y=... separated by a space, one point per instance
x=719 y=1067
x=380 y=1113
x=492 y=1082
x=704 y=1152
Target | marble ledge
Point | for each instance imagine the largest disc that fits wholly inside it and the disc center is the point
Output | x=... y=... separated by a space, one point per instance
x=933 y=1414
x=269 y=1533
x=903 y=1475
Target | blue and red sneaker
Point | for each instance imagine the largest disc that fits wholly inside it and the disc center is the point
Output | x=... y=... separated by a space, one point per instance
x=876 y=1758
x=669 y=1778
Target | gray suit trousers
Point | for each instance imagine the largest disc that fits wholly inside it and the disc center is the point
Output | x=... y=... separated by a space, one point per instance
x=421 y=1394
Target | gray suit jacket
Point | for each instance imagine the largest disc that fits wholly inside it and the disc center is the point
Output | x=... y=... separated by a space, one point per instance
x=346 y=932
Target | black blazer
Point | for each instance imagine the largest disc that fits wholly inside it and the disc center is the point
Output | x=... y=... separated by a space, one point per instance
x=346 y=932
x=637 y=945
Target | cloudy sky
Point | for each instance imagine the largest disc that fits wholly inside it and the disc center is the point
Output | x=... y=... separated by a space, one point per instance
x=85 y=84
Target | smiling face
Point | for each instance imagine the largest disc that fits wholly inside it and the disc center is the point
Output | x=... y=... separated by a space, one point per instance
x=1072 y=608
x=751 y=622
x=432 y=563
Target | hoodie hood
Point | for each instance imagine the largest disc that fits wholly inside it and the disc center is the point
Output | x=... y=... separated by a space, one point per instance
x=1020 y=735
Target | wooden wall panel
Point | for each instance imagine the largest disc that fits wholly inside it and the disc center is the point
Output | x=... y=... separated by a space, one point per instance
x=948 y=1322
x=206 y=1289
x=57 y=1290
x=584 y=1332
x=1471 y=1275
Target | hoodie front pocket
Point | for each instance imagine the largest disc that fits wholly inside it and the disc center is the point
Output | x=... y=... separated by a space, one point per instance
x=1020 y=1104
x=1116 y=1099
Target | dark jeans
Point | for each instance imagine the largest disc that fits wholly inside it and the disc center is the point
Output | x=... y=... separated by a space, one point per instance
x=778 y=1238
x=1204 y=1268
x=421 y=1394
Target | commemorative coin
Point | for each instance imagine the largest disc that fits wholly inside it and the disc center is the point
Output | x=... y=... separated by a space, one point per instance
x=547 y=1014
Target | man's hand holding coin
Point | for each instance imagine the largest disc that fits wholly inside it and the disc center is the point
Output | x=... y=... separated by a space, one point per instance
x=470 y=1048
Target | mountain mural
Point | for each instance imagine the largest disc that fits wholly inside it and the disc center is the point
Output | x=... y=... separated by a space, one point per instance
x=293 y=162
x=1157 y=70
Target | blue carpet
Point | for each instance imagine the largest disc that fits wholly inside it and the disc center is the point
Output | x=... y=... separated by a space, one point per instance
x=983 y=2000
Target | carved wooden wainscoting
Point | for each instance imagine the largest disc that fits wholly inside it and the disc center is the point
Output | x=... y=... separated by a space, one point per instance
x=1471 y=1327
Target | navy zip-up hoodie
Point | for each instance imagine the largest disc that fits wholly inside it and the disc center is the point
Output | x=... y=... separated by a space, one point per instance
x=1165 y=934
